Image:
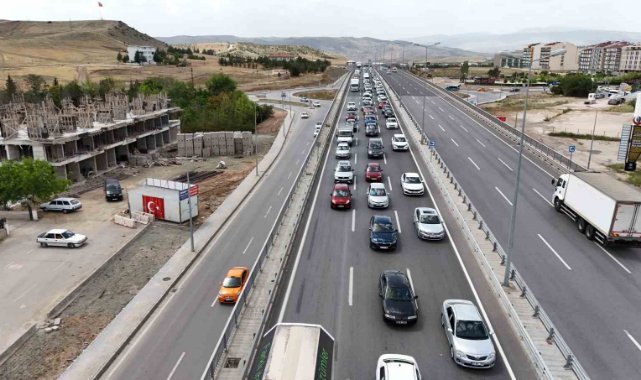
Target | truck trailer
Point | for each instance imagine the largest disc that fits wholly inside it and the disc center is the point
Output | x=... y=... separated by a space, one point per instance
x=603 y=208
x=354 y=85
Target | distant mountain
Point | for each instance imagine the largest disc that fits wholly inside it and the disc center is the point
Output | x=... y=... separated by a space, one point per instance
x=492 y=43
x=349 y=47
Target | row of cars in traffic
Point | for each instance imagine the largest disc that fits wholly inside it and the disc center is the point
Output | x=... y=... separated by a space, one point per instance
x=469 y=339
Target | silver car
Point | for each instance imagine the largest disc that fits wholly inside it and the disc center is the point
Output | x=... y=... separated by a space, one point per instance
x=342 y=150
x=62 y=204
x=428 y=223
x=469 y=339
x=377 y=196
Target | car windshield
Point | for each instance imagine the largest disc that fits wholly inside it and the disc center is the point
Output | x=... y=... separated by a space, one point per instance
x=430 y=219
x=399 y=139
x=67 y=234
x=400 y=293
x=391 y=120
x=412 y=180
x=383 y=227
x=375 y=145
x=373 y=168
x=473 y=330
x=344 y=168
x=231 y=282
x=74 y=201
x=341 y=193
x=343 y=147
x=377 y=192
x=344 y=133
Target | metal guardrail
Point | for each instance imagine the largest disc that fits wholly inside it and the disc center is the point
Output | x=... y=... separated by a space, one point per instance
x=491 y=121
x=538 y=312
x=232 y=322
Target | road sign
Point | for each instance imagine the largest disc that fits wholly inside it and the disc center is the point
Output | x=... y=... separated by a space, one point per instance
x=572 y=148
x=283 y=95
x=432 y=143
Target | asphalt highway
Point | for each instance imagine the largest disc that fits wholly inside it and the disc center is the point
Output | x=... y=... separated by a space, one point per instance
x=592 y=294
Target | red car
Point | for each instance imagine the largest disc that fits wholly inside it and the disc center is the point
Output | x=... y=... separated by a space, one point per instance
x=367 y=109
x=351 y=115
x=373 y=172
x=341 y=196
x=381 y=105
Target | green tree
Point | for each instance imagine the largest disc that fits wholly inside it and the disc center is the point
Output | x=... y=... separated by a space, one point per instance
x=105 y=86
x=9 y=187
x=10 y=89
x=494 y=72
x=139 y=57
x=73 y=91
x=579 y=85
x=56 y=93
x=125 y=58
x=37 y=88
x=465 y=68
x=119 y=57
x=219 y=83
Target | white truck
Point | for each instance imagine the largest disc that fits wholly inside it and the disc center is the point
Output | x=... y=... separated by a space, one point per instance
x=603 y=208
x=345 y=135
x=354 y=85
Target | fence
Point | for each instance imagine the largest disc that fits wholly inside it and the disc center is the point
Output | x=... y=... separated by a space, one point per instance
x=232 y=322
x=553 y=335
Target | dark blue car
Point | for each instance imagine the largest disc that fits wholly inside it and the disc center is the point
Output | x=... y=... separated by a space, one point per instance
x=382 y=233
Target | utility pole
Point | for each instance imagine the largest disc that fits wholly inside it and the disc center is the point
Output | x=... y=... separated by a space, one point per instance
x=592 y=142
x=191 y=222
x=191 y=69
x=256 y=139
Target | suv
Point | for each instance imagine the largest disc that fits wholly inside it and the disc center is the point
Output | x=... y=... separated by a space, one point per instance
x=375 y=148
x=345 y=135
x=62 y=204
x=344 y=172
x=113 y=190
x=397 y=367
x=399 y=142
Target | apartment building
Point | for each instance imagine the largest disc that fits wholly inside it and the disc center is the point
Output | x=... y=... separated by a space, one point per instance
x=603 y=57
x=91 y=138
x=630 y=58
x=540 y=55
x=509 y=59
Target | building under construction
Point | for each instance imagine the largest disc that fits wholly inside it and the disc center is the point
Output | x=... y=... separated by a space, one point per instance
x=89 y=138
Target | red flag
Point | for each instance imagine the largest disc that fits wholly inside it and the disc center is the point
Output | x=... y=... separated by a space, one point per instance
x=100 y=4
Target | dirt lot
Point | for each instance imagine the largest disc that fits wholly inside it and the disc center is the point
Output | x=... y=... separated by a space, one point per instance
x=46 y=355
x=317 y=94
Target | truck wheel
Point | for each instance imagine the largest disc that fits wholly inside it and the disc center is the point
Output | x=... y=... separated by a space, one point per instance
x=557 y=204
x=589 y=232
x=580 y=224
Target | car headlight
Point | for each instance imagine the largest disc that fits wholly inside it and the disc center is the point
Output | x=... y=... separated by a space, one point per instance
x=348 y=201
x=220 y=294
x=491 y=356
x=459 y=354
x=389 y=316
x=412 y=317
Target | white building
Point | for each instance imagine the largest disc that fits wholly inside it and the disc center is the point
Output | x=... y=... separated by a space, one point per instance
x=147 y=52
x=540 y=56
x=631 y=58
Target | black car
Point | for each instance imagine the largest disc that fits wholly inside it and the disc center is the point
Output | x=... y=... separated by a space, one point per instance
x=375 y=148
x=399 y=301
x=113 y=190
x=371 y=130
x=382 y=233
x=388 y=113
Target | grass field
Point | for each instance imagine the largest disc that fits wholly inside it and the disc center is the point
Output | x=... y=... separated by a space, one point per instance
x=317 y=94
x=633 y=178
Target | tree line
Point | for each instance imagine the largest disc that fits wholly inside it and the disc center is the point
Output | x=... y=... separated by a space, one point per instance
x=29 y=181
x=295 y=67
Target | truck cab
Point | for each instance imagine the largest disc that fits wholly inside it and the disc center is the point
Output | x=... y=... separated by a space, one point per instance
x=346 y=135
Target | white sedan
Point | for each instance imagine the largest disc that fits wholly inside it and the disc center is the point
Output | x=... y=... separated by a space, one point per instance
x=391 y=123
x=61 y=238
x=316 y=104
x=304 y=115
x=412 y=184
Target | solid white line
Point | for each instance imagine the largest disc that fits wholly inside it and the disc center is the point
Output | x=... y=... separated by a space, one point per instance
x=503 y=195
x=350 y=299
x=506 y=165
x=474 y=163
x=613 y=258
x=465 y=129
x=454 y=141
x=268 y=210
x=442 y=129
x=389 y=181
x=385 y=158
x=280 y=191
x=544 y=198
x=176 y=366
x=355 y=158
x=409 y=277
x=431 y=117
x=398 y=222
x=353 y=220
x=248 y=244
x=290 y=174
x=553 y=251
x=632 y=339
x=479 y=141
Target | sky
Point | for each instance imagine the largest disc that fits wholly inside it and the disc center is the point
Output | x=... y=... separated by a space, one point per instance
x=384 y=19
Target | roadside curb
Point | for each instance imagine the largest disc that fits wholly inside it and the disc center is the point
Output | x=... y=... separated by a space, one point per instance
x=106 y=347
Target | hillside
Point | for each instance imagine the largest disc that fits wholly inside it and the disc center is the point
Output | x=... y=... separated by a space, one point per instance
x=350 y=47
x=253 y=50
x=37 y=43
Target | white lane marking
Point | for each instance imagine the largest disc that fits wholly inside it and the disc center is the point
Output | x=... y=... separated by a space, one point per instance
x=214 y=302
x=474 y=163
x=409 y=277
x=350 y=298
x=29 y=289
x=280 y=191
x=442 y=129
x=503 y=195
x=355 y=158
x=632 y=339
x=442 y=110
x=290 y=174
x=465 y=129
x=297 y=161
x=389 y=181
x=431 y=117
x=398 y=222
x=353 y=220
x=432 y=102
x=506 y=165
x=613 y=258
x=544 y=198
x=455 y=143
x=268 y=210
x=354 y=183
x=384 y=158
x=553 y=251
x=248 y=244
x=479 y=141
x=176 y=365
x=416 y=100
x=451 y=117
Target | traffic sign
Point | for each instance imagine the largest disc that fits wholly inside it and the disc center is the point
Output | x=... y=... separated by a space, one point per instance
x=432 y=143
x=572 y=148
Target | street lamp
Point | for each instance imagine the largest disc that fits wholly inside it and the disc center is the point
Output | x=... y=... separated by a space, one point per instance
x=423 y=141
x=515 y=197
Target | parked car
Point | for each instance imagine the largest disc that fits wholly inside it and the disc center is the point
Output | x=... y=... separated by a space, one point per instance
x=113 y=190
x=614 y=100
x=233 y=285
x=304 y=115
x=377 y=196
x=344 y=172
x=428 y=223
x=399 y=142
x=341 y=196
x=391 y=123
x=342 y=150
x=382 y=233
x=373 y=172
x=469 y=339
x=397 y=367
x=61 y=238
x=412 y=184
x=62 y=204
x=398 y=298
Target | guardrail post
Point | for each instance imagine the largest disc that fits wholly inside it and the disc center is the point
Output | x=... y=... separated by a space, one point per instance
x=550 y=337
x=536 y=311
x=480 y=224
x=494 y=248
x=512 y=274
x=474 y=215
x=469 y=206
x=524 y=291
x=502 y=259
x=569 y=361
